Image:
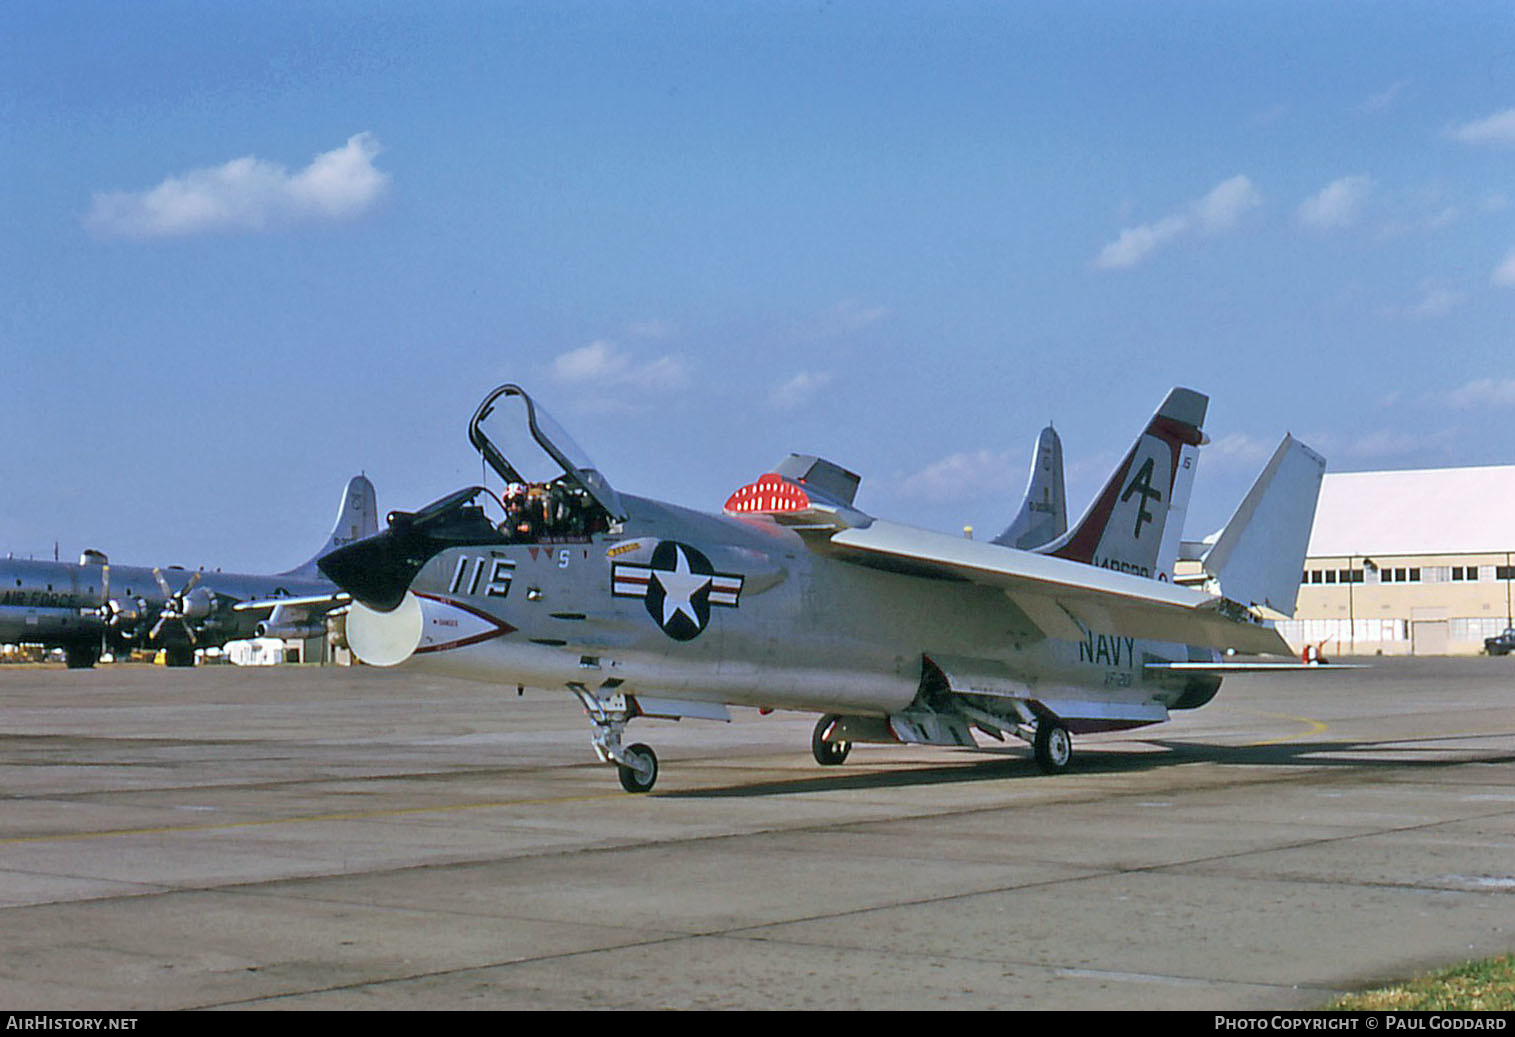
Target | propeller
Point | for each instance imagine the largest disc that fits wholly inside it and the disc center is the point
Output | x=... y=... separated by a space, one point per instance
x=118 y=619
x=185 y=607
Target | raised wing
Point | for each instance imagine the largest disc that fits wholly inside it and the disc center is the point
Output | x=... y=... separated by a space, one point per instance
x=1063 y=599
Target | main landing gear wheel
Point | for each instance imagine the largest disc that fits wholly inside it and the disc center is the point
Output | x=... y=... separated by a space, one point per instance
x=80 y=657
x=828 y=754
x=638 y=768
x=1054 y=747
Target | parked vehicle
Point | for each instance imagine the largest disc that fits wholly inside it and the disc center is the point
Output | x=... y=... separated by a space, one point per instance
x=1504 y=644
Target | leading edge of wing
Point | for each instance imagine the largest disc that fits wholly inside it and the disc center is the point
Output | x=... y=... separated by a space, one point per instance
x=1064 y=599
x=332 y=600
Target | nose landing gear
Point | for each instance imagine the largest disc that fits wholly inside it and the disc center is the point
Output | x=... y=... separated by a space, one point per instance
x=636 y=765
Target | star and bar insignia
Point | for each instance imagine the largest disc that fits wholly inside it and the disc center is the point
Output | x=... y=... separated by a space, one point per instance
x=678 y=587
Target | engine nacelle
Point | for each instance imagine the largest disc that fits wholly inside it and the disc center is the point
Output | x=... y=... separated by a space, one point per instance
x=291 y=631
x=198 y=604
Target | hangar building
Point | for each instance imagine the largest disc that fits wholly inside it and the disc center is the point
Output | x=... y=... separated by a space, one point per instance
x=1413 y=562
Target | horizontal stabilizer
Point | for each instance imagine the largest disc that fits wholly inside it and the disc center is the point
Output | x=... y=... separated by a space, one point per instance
x=1248 y=667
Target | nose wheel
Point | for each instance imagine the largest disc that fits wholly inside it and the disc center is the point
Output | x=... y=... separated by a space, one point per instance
x=638 y=768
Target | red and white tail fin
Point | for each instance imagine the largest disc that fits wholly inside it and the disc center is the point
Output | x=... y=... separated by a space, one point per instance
x=1135 y=522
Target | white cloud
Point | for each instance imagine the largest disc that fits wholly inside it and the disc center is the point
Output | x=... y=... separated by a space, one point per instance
x=1338 y=204
x=1236 y=451
x=851 y=315
x=1217 y=212
x=1436 y=302
x=1482 y=393
x=1222 y=209
x=1389 y=448
x=246 y=194
x=1381 y=101
x=604 y=365
x=1498 y=128
x=1394 y=443
x=799 y=390
x=1135 y=243
x=1504 y=273
x=965 y=476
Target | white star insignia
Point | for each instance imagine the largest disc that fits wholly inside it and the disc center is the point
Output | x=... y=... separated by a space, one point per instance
x=679 y=585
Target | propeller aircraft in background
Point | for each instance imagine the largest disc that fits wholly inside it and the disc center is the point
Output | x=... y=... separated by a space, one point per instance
x=97 y=607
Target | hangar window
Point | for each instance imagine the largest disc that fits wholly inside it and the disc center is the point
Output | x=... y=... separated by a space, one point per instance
x=1465 y=573
x=1330 y=575
x=1504 y=572
x=1414 y=575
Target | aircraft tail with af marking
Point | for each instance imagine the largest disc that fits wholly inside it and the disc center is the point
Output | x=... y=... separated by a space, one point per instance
x=1043 y=516
x=357 y=517
x=1136 y=522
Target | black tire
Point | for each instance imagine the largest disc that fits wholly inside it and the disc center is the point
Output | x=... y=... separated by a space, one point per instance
x=1054 y=747
x=179 y=655
x=80 y=657
x=640 y=778
x=828 y=754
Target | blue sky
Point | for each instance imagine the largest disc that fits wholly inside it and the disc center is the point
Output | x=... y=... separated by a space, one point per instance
x=249 y=249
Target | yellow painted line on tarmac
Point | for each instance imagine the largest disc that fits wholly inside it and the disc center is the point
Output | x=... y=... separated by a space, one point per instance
x=1316 y=727
x=355 y=815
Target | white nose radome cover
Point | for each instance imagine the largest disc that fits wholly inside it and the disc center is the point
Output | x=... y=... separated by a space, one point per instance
x=385 y=638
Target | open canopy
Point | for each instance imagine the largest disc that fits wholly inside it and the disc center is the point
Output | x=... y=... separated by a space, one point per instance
x=522 y=443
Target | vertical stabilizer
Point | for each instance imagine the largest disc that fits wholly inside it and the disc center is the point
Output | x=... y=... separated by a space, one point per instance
x=1043 y=516
x=357 y=517
x=1258 y=556
x=1134 y=523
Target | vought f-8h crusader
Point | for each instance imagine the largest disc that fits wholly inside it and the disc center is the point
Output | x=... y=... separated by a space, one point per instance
x=792 y=598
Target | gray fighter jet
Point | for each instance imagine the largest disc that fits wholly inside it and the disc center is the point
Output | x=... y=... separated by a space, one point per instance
x=793 y=598
x=95 y=606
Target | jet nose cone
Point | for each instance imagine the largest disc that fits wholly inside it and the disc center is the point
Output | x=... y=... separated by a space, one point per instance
x=377 y=570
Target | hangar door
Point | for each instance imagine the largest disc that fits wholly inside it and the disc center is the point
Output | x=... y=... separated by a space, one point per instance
x=1429 y=636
